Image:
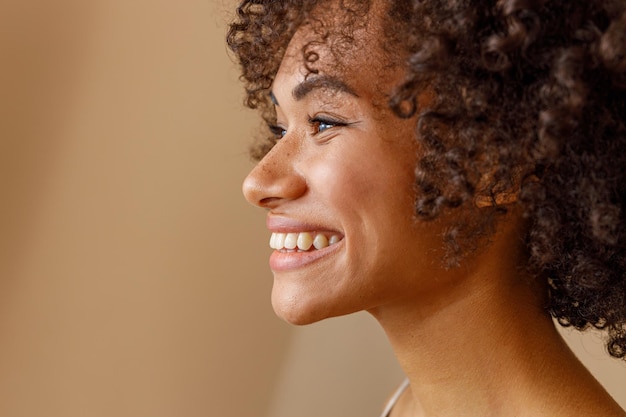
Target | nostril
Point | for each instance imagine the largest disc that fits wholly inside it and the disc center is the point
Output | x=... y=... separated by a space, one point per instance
x=268 y=201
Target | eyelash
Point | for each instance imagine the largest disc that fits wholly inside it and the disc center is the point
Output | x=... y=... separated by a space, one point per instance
x=277 y=131
x=315 y=122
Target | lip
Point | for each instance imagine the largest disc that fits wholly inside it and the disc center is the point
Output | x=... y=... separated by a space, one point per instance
x=279 y=224
x=286 y=261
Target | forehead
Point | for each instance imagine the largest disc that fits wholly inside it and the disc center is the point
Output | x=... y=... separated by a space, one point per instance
x=343 y=44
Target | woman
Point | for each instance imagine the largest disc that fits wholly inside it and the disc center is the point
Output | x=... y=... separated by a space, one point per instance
x=455 y=168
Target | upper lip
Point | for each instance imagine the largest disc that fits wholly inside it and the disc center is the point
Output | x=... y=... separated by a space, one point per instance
x=281 y=224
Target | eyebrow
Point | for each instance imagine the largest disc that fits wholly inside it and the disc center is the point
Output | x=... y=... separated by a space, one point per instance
x=320 y=82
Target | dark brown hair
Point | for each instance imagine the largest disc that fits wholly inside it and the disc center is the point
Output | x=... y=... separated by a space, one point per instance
x=532 y=92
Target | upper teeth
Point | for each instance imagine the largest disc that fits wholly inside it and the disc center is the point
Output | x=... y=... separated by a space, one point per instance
x=302 y=241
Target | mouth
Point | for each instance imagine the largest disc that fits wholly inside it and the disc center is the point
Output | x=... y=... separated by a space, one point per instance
x=295 y=250
x=303 y=241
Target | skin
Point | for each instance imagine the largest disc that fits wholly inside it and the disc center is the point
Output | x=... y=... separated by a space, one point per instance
x=474 y=340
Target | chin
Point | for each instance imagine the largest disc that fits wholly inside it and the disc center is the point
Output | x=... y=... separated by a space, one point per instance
x=296 y=319
x=301 y=311
x=296 y=314
x=297 y=311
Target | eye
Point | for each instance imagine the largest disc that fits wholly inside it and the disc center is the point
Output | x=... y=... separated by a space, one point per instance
x=277 y=131
x=321 y=124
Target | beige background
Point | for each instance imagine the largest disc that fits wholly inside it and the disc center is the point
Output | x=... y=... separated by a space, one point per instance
x=133 y=277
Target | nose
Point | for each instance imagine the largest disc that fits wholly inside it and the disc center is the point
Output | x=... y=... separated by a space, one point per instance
x=275 y=179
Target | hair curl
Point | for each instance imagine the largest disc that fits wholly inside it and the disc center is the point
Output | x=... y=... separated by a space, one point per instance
x=532 y=92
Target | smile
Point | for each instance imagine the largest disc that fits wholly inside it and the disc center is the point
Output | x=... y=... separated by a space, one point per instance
x=302 y=242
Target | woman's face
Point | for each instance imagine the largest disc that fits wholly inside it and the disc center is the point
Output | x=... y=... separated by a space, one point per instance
x=341 y=176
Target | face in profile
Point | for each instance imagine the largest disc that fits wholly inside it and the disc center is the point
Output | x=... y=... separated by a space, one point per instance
x=338 y=186
x=450 y=168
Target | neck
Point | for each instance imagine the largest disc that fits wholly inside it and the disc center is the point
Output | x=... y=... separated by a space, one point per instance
x=483 y=346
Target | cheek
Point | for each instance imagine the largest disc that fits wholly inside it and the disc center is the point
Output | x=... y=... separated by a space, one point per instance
x=362 y=188
x=338 y=179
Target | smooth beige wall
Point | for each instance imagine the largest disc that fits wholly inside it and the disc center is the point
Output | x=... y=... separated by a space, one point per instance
x=590 y=349
x=133 y=276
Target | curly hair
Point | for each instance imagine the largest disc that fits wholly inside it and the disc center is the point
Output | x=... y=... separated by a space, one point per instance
x=532 y=92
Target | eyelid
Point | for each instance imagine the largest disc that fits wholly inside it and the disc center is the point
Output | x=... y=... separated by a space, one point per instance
x=327 y=119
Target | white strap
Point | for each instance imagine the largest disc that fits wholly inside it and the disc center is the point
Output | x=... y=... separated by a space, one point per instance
x=392 y=401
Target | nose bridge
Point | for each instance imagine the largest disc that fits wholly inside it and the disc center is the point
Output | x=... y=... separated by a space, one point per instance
x=276 y=177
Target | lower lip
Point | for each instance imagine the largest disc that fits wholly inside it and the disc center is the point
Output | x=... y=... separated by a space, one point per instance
x=287 y=261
